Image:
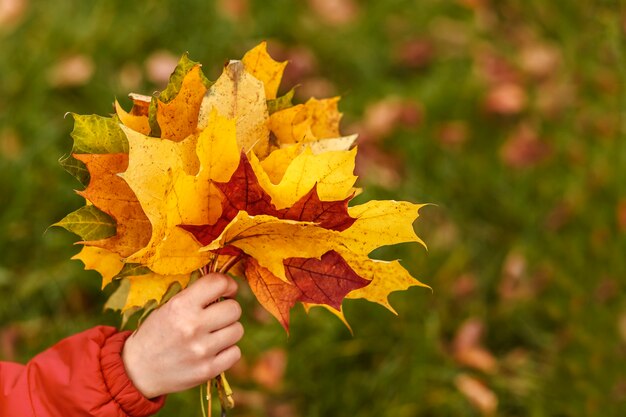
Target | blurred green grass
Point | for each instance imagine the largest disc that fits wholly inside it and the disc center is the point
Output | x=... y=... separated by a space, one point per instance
x=509 y=116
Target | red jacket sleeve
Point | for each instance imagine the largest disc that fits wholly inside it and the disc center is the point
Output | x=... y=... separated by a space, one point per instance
x=80 y=376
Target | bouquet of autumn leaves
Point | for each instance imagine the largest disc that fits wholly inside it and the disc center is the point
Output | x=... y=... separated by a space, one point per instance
x=226 y=176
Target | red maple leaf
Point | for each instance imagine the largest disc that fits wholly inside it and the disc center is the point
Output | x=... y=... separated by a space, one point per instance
x=243 y=192
x=319 y=281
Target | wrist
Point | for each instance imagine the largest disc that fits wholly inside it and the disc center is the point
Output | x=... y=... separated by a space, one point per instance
x=124 y=394
x=136 y=370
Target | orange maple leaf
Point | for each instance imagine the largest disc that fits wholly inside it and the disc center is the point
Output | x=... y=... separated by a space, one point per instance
x=111 y=194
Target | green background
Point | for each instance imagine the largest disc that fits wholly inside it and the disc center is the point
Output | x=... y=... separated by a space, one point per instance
x=509 y=116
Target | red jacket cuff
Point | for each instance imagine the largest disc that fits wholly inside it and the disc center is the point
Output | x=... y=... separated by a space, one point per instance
x=121 y=388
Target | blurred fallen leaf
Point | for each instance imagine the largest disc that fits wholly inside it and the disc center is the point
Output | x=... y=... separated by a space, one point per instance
x=514 y=265
x=506 y=99
x=72 y=71
x=130 y=76
x=445 y=235
x=383 y=116
x=453 y=135
x=9 y=337
x=515 y=283
x=415 y=53
x=250 y=399
x=478 y=358
x=240 y=370
x=468 y=350
x=269 y=369
x=469 y=334
x=518 y=284
x=315 y=87
x=335 y=12
x=553 y=96
x=281 y=410
x=159 y=66
x=481 y=397
x=378 y=167
x=464 y=287
x=450 y=36
x=233 y=9
x=540 y=60
x=411 y=113
x=10 y=145
x=474 y=4
x=524 y=148
x=559 y=216
x=495 y=70
x=302 y=63
x=12 y=14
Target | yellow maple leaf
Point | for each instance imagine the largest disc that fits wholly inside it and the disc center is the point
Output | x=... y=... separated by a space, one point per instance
x=279 y=160
x=292 y=125
x=325 y=117
x=264 y=68
x=333 y=172
x=276 y=163
x=179 y=117
x=239 y=96
x=137 y=119
x=316 y=119
x=144 y=288
x=107 y=264
x=385 y=278
x=160 y=174
x=342 y=143
x=381 y=223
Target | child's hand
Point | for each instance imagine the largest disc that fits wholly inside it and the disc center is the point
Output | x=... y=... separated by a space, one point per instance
x=187 y=341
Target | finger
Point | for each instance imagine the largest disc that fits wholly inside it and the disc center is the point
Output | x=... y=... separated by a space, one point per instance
x=209 y=288
x=226 y=359
x=221 y=314
x=226 y=337
x=231 y=290
x=231 y=287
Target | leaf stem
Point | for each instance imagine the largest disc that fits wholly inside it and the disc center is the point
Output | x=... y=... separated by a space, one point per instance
x=202 y=399
x=222 y=385
x=229 y=264
x=209 y=397
x=225 y=393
